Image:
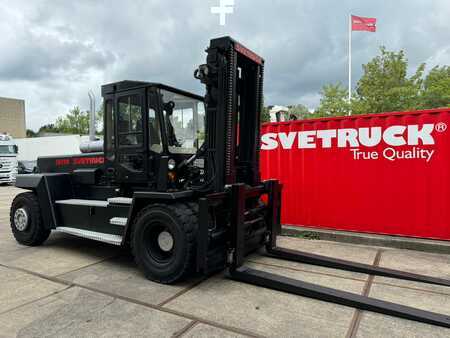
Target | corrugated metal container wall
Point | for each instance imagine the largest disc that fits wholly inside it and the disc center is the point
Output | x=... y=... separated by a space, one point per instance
x=385 y=173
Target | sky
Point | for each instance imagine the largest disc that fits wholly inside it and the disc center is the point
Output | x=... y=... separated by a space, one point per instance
x=53 y=52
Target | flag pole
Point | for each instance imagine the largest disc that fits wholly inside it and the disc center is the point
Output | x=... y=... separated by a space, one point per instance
x=349 y=60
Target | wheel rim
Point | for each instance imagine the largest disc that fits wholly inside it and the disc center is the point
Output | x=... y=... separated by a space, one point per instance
x=21 y=219
x=160 y=243
x=165 y=241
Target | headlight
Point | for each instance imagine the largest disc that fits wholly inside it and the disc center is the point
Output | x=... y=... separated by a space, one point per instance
x=171 y=164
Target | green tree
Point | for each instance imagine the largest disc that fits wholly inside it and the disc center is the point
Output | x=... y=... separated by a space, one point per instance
x=436 y=88
x=385 y=85
x=299 y=111
x=30 y=133
x=75 y=122
x=334 y=101
x=48 y=128
x=265 y=115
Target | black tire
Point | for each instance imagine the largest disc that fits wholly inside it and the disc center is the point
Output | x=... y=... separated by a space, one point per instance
x=165 y=266
x=34 y=232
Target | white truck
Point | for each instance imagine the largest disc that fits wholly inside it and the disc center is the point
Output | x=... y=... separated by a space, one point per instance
x=8 y=159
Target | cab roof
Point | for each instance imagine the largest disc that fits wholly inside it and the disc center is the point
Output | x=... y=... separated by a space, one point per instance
x=120 y=86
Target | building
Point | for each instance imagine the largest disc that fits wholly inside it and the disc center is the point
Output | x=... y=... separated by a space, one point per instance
x=279 y=114
x=12 y=117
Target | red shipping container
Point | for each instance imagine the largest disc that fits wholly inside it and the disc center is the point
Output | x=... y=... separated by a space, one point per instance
x=384 y=173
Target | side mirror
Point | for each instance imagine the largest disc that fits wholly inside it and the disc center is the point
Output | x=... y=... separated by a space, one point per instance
x=16 y=149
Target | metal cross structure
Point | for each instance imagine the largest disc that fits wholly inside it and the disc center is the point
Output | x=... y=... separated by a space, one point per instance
x=225 y=7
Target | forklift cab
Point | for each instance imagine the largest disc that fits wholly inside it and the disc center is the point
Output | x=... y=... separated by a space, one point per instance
x=150 y=128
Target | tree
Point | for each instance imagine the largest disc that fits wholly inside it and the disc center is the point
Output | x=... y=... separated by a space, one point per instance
x=436 y=88
x=31 y=133
x=76 y=122
x=299 y=111
x=265 y=115
x=334 y=101
x=385 y=85
x=48 y=128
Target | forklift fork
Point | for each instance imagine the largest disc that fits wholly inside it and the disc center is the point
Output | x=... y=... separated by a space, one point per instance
x=335 y=263
x=239 y=272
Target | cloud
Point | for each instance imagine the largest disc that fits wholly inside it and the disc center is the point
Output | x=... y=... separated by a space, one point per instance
x=53 y=52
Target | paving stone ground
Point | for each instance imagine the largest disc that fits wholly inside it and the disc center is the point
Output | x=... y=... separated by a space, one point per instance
x=71 y=287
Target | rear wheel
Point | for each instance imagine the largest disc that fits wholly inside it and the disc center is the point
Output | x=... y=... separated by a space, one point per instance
x=26 y=220
x=163 y=241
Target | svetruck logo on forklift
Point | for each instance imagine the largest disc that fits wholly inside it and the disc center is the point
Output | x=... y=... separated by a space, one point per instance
x=394 y=136
x=60 y=162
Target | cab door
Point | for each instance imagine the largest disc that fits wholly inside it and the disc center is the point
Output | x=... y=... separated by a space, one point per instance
x=131 y=150
x=109 y=122
x=155 y=136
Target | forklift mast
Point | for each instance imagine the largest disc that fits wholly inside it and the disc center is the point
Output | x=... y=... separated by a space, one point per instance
x=233 y=76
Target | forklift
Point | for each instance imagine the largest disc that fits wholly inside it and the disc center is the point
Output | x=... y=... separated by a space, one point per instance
x=177 y=181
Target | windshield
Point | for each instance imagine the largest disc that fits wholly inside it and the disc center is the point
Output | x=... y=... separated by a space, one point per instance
x=184 y=121
x=8 y=149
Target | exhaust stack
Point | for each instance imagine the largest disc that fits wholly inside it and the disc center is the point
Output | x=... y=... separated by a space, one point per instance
x=94 y=144
x=91 y=116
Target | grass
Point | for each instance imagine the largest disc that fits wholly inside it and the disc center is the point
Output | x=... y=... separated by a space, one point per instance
x=302 y=234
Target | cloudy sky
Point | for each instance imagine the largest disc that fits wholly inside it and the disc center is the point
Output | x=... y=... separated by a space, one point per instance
x=53 y=52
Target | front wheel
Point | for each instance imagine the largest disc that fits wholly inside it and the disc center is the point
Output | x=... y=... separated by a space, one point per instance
x=163 y=241
x=26 y=220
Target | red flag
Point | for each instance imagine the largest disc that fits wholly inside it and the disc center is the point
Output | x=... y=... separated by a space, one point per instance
x=360 y=23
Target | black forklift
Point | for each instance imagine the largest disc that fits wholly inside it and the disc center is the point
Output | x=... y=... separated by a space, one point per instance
x=177 y=181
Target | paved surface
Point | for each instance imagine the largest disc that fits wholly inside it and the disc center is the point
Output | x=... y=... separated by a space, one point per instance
x=75 y=287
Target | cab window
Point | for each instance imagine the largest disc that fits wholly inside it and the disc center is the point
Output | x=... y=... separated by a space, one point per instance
x=184 y=121
x=109 y=128
x=129 y=122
